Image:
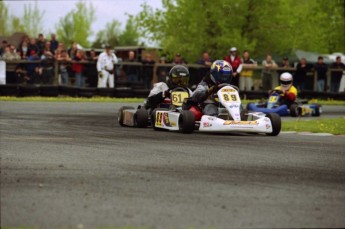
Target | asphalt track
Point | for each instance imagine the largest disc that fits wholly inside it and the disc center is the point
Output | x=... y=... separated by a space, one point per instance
x=70 y=165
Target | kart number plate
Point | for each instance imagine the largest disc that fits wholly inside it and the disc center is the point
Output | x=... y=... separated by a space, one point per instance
x=273 y=99
x=177 y=97
x=229 y=97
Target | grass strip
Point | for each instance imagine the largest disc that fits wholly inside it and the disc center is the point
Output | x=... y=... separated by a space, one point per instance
x=332 y=125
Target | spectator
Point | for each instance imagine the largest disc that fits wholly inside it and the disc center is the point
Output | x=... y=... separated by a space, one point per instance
x=64 y=61
x=286 y=65
x=131 y=71
x=205 y=60
x=246 y=78
x=72 y=51
x=90 y=70
x=33 y=46
x=54 y=44
x=105 y=68
x=23 y=50
x=8 y=55
x=236 y=64
x=321 y=69
x=78 y=68
x=47 y=47
x=41 y=43
x=47 y=67
x=3 y=46
x=178 y=59
x=148 y=63
x=268 y=72
x=300 y=77
x=60 y=49
x=33 y=68
x=336 y=75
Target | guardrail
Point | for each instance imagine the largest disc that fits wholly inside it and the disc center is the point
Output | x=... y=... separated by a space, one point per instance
x=153 y=73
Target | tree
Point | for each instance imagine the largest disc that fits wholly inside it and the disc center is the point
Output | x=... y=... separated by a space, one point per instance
x=130 y=36
x=109 y=35
x=31 y=20
x=4 y=29
x=76 y=25
x=276 y=26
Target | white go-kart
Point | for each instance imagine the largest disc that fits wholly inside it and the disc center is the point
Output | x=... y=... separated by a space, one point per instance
x=232 y=119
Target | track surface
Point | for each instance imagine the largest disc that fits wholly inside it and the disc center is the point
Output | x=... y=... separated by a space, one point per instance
x=65 y=164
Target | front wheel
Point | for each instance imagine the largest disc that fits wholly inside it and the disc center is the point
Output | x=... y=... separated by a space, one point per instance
x=186 y=122
x=120 y=115
x=142 y=118
x=275 y=122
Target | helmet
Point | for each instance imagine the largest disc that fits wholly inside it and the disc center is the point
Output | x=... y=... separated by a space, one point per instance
x=178 y=76
x=221 y=72
x=286 y=80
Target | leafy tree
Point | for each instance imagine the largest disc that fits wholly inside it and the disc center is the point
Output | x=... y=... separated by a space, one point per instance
x=110 y=35
x=4 y=29
x=76 y=25
x=130 y=36
x=31 y=20
x=276 y=26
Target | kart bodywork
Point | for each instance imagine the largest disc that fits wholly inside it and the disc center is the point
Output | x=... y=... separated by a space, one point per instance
x=299 y=108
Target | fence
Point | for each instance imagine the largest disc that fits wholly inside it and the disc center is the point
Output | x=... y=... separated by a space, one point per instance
x=132 y=79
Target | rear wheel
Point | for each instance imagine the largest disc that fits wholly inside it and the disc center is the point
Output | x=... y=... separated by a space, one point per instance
x=317 y=110
x=120 y=115
x=186 y=122
x=275 y=122
x=142 y=118
x=294 y=110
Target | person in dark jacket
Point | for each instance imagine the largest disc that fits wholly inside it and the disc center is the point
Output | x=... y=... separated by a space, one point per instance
x=300 y=77
x=336 y=75
x=321 y=69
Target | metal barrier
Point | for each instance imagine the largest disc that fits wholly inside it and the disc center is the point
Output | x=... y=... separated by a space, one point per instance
x=129 y=76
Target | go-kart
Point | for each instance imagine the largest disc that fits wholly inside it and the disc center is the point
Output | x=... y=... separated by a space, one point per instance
x=273 y=105
x=168 y=115
x=231 y=118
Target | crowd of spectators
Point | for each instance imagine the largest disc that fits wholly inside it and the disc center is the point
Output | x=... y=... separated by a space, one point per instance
x=73 y=70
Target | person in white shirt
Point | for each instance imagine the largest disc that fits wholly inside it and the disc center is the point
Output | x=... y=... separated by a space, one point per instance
x=105 y=68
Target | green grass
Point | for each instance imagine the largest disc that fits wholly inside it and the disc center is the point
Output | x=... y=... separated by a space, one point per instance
x=333 y=125
x=98 y=99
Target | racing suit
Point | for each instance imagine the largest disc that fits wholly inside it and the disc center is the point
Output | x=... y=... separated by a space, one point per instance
x=289 y=97
x=201 y=95
x=105 y=67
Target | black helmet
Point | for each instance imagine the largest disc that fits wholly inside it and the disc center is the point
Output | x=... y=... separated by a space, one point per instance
x=178 y=76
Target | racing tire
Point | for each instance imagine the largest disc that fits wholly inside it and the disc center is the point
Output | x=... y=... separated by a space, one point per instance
x=141 y=118
x=186 y=122
x=317 y=110
x=153 y=118
x=294 y=110
x=276 y=123
x=120 y=114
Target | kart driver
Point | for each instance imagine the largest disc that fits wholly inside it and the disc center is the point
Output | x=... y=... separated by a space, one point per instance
x=178 y=77
x=220 y=73
x=288 y=91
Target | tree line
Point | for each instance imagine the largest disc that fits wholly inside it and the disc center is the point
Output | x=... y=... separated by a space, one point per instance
x=191 y=27
x=74 y=26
